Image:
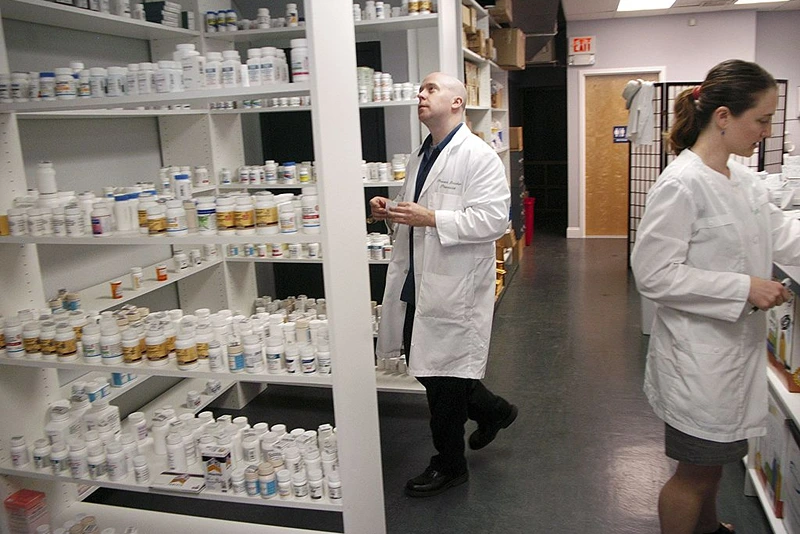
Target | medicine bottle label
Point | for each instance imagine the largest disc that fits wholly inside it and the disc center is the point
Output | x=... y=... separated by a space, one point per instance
x=78 y=332
x=202 y=350
x=186 y=356
x=157 y=226
x=310 y=216
x=31 y=344
x=157 y=352
x=142 y=218
x=47 y=346
x=2 y=340
x=225 y=220
x=132 y=354
x=244 y=219
x=67 y=347
x=267 y=217
x=170 y=344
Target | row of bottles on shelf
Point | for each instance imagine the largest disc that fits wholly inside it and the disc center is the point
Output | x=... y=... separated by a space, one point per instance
x=88 y=442
x=188 y=70
x=28 y=513
x=377 y=10
x=379 y=247
x=377 y=86
x=227 y=20
x=173 y=212
x=292 y=339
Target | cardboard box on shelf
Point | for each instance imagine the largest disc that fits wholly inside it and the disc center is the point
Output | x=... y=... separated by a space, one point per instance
x=783 y=345
x=497 y=98
x=469 y=19
x=770 y=455
x=491 y=51
x=471 y=76
x=501 y=11
x=515 y=138
x=477 y=42
x=473 y=95
x=791 y=503
x=510 y=43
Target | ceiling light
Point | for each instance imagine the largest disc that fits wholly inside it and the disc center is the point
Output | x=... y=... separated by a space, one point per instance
x=742 y=2
x=642 y=5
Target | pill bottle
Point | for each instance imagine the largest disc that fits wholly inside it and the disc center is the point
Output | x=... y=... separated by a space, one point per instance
x=299 y=54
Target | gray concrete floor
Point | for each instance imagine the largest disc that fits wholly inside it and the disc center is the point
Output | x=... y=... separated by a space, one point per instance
x=586 y=452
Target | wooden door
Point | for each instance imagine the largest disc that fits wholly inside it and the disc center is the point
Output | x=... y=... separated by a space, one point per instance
x=606 y=161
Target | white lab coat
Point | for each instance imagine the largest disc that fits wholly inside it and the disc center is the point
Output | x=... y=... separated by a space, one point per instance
x=701 y=237
x=454 y=263
x=641 y=122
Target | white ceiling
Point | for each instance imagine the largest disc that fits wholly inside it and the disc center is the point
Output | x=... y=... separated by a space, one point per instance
x=606 y=9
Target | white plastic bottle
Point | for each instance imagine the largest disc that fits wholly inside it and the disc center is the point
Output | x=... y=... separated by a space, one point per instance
x=231 y=65
x=206 y=216
x=244 y=216
x=213 y=70
x=176 y=219
x=310 y=202
x=300 y=68
x=110 y=342
x=193 y=65
x=132 y=79
x=144 y=78
x=97 y=464
x=102 y=412
x=90 y=341
x=254 y=66
x=176 y=453
x=268 y=71
x=20 y=455
x=159 y=430
x=186 y=351
x=78 y=458
x=117 y=464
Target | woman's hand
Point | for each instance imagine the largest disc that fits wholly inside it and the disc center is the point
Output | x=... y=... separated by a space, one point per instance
x=765 y=294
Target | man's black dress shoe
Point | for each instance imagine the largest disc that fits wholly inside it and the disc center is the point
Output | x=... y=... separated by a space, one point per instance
x=485 y=434
x=433 y=482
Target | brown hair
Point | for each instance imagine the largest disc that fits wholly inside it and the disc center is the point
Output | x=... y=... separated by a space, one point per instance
x=734 y=84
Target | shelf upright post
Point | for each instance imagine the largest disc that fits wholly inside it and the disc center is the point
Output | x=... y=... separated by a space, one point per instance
x=337 y=149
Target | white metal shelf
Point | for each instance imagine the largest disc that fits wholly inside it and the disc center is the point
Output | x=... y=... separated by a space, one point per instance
x=274 y=109
x=66 y=389
x=257 y=187
x=499 y=110
x=479 y=9
x=147 y=521
x=397 y=383
x=170 y=369
x=203 y=189
x=390 y=104
x=469 y=55
x=139 y=239
x=790 y=402
x=63 y=16
x=256 y=259
x=482 y=109
x=200 y=97
x=363 y=27
x=774 y=522
x=98 y=297
x=501 y=150
x=109 y=114
x=386 y=183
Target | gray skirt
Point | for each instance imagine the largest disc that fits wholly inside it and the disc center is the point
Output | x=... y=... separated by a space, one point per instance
x=697 y=451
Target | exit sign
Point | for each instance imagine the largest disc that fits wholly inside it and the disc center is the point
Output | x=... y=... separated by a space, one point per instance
x=582 y=45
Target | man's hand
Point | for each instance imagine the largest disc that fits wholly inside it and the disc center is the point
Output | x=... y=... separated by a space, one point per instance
x=412 y=214
x=378 y=207
x=765 y=294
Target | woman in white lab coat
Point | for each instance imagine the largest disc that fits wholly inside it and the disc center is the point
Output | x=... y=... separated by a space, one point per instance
x=704 y=254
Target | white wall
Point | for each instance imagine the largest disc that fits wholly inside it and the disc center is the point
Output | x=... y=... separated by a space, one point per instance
x=687 y=52
x=779 y=56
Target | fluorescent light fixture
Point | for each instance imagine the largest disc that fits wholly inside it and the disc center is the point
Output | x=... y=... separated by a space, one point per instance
x=643 y=5
x=742 y=2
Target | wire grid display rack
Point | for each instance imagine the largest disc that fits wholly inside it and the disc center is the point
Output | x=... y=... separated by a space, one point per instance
x=646 y=162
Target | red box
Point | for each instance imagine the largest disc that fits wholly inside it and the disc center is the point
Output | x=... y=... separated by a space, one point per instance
x=26 y=510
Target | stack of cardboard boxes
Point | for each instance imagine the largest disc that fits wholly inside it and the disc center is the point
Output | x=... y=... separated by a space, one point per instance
x=473 y=37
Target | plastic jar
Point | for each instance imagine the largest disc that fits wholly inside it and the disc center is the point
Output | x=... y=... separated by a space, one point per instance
x=268 y=68
x=144 y=78
x=292 y=17
x=299 y=485
x=97 y=82
x=176 y=219
x=41 y=454
x=300 y=71
x=308 y=359
x=310 y=203
x=110 y=343
x=156 y=221
x=30 y=340
x=157 y=353
x=141 y=470
x=131 y=349
x=287 y=219
x=213 y=70
x=186 y=351
x=115 y=84
x=65 y=84
x=17 y=221
x=253 y=354
x=284 y=483
x=266 y=215
x=19 y=86
x=66 y=344
x=267 y=482
x=225 y=216
x=244 y=216
x=163 y=77
x=47 y=85
x=289 y=174
x=117 y=463
x=235 y=358
x=101 y=220
x=206 y=216
x=47 y=340
x=176 y=453
x=254 y=66
x=78 y=458
x=216 y=356
x=96 y=462
x=20 y=456
x=230 y=68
